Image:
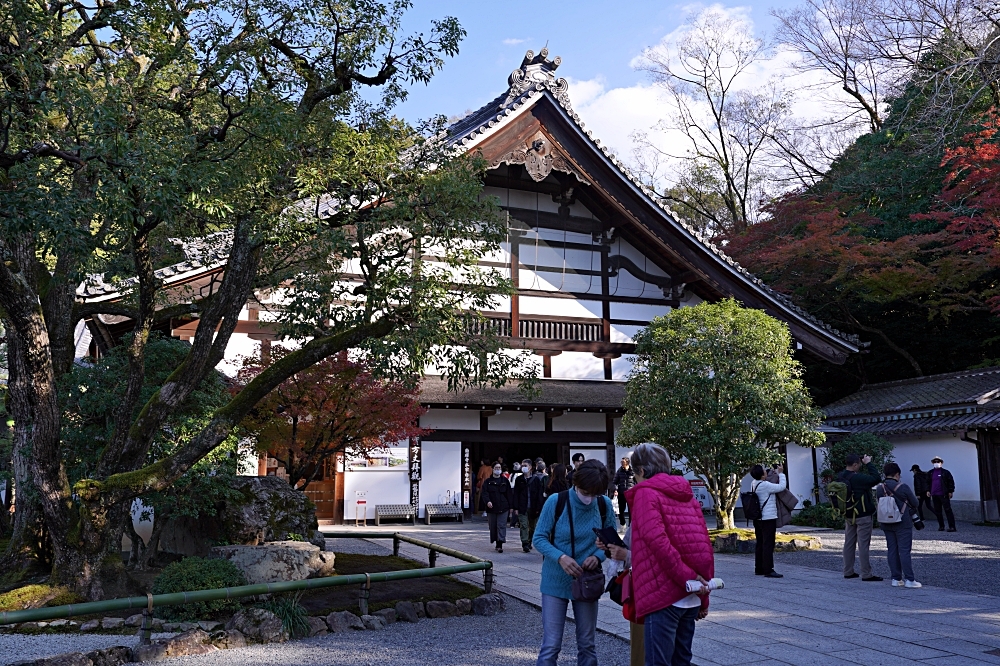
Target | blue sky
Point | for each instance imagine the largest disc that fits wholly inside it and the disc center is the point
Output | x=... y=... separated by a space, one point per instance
x=596 y=40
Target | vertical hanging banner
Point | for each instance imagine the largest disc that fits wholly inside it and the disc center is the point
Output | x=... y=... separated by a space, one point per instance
x=416 y=470
x=466 y=477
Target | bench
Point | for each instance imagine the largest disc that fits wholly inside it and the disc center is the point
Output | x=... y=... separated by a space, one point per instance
x=395 y=511
x=443 y=511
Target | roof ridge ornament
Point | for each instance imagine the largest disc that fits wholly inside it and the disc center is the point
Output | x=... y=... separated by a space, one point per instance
x=538 y=72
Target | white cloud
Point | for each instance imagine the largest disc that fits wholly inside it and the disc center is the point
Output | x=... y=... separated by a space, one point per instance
x=511 y=41
x=614 y=114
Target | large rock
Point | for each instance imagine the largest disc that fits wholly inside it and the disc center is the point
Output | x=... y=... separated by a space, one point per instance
x=317 y=626
x=343 y=621
x=373 y=622
x=266 y=509
x=258 y=626
x=112 y=623
x=189 y=643
x=90 y=625
x=437 y=609
x=387 y=614
x=406 y=612
x=227 y=639
x=112 y=656
x=277 y=561
x=488 y=604
x=464 y=606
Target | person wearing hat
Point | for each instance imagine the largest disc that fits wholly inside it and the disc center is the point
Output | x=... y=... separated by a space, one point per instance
x=921 y=486
x=942 y=487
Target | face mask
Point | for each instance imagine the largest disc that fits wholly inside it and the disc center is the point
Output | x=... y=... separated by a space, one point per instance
x=496 y=472
x=586 y=499
x=937 y=465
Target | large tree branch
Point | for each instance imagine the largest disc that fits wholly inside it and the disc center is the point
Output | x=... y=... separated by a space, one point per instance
x=161 y=474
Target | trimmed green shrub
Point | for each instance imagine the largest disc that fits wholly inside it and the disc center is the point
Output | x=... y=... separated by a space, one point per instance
x=818 y=515
x=198 y=573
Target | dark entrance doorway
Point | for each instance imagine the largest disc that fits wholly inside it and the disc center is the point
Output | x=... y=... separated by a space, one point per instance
x=511 y=451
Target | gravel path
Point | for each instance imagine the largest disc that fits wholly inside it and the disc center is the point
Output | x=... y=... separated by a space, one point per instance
x=360 y=546
x=511 y=638
x=967 y=560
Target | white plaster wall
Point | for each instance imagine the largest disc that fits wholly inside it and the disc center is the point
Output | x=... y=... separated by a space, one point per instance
x=560 y=307
x=959 y=458
x=638 y=311
x=240 y=346
x=580 y=421
x=559 y=281
x=577 y=365
x=800 y=473
x=622 y=366
x=442 y=471
x=451 y=419
x=384 y=487
x=622 y=333
x=514 y=420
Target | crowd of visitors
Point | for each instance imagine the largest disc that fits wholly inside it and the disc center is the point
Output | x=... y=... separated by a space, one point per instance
x=661 y=568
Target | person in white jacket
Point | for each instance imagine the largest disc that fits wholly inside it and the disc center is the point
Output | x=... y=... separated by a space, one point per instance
x=767 y=526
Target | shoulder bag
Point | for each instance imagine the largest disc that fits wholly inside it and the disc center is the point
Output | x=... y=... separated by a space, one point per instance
x=588 y=586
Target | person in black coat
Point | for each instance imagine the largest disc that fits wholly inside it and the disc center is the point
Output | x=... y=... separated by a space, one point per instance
x=520 y=487
x=624 y=479
x=942 y=487
x=921 y=486
x=498 y=502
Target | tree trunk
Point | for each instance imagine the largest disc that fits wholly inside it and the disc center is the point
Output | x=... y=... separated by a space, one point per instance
x=87 y=558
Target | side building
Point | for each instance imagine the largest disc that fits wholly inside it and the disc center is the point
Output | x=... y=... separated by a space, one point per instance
x=954 y=416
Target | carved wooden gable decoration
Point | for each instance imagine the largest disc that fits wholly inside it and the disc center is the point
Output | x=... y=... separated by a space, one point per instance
x=532 y=125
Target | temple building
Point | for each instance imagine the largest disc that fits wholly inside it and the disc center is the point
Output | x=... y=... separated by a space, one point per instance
x=593 y=256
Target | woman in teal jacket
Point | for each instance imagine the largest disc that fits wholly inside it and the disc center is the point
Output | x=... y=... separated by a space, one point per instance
x=559 y=566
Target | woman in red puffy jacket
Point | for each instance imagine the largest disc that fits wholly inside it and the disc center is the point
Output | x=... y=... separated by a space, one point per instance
x=669 y=546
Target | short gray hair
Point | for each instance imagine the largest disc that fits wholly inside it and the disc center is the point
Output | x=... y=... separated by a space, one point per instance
x=652 y=459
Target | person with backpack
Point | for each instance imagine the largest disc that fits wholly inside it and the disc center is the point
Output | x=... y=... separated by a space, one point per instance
x=536 y=497
x=571 y=564
x=765 y=518
x=498 y=502
x=896 y=505
x=859 y=509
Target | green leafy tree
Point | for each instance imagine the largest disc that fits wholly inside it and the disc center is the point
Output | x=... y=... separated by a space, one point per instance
x=717 y=387
x=242 y=125
x=861 y=443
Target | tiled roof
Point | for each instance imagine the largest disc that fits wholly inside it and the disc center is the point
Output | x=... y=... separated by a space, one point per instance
x=968 y=387
x=536 y=79
x=200 y=255
x=598 y=394
x=888 y=426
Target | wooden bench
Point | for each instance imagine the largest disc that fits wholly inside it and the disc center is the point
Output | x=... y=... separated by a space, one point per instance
x=395 y=511
x=443 y=511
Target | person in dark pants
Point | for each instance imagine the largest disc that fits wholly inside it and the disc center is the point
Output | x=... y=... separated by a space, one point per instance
x=520 y=487
x=921 y=486
x=899 y=536
x=766 y=528
x=942 y=487
x=623 y=481
x=536 y=496
x=498 y=501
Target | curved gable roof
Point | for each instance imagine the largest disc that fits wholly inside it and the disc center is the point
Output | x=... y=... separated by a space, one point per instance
x=533 y=86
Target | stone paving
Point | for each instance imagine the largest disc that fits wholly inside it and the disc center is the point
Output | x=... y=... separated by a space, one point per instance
x=811 y=616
